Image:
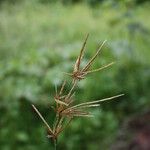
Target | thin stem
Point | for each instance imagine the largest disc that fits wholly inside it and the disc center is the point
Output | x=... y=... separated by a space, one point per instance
x=69 y=94
x=56 y=122
x=44 y=121
x=62 y=87
x=65 y=125
x=55 y=144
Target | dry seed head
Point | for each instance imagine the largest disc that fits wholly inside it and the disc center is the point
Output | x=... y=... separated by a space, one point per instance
x=78 y=73
x=65 y=110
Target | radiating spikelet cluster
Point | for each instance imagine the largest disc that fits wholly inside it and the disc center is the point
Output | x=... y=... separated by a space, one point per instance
x=65 y=110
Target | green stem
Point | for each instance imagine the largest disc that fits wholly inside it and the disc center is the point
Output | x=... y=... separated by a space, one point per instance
x=55 y=144
x=56 y=122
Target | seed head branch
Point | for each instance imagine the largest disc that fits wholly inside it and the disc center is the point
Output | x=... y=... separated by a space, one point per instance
x=44 y=121
x=97 y=101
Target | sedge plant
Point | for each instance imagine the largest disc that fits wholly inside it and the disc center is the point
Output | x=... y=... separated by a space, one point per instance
x=65 y=110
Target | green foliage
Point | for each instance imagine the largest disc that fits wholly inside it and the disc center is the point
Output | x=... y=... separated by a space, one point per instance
x=90 y=2
x=38 y=42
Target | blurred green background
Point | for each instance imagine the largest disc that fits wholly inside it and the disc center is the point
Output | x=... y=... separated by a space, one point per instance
x=40 y=39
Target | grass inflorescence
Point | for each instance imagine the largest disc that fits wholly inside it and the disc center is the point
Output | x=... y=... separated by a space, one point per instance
x=65 y=109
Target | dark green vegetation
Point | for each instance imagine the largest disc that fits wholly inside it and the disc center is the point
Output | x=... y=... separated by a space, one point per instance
x=38 y=42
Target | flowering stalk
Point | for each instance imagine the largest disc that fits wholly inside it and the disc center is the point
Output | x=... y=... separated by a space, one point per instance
x=65 y=110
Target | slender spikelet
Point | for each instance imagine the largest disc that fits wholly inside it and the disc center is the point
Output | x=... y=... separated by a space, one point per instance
x=78 y=61
x=97 y=101
x=101 y=68
x=93 y=58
